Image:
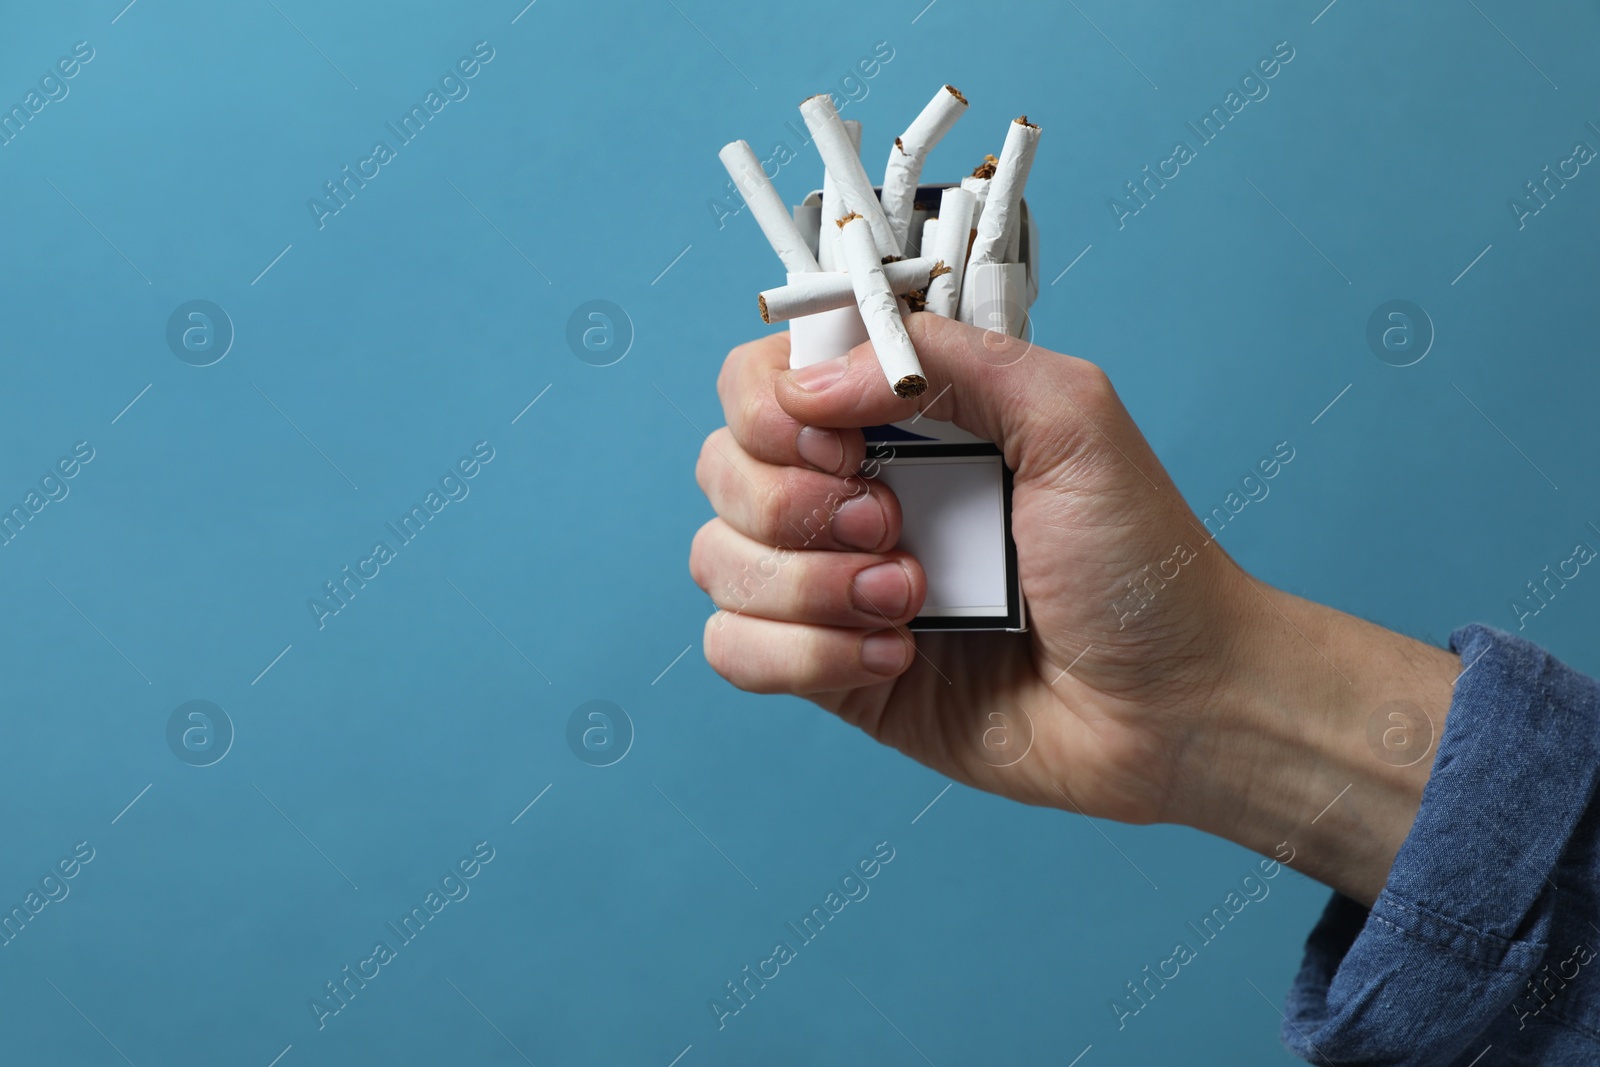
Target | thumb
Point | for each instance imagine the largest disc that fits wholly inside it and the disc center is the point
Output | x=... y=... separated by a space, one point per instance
x=1001 y=388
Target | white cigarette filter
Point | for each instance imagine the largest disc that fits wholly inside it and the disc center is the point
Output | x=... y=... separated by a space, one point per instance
x=910 y=151
x=843 y=161
x=1002 y=207
x=880 y=311
x=767 y=207
x=808 y=294
x=950 y=238
x=828 y=254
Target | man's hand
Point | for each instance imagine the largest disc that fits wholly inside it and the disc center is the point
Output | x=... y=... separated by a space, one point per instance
x=1158 y=682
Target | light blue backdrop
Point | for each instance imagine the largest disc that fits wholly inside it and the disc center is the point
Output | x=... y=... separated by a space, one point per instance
x=374 y=351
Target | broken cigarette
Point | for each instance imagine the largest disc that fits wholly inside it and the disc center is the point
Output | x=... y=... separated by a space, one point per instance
x=879 y=309
x=843 y=161
x=833 y=208
x=999 y=217
x=950 y=237
x=817 y=291
x=767 y=207
x=1002 y=206
x=909 y=153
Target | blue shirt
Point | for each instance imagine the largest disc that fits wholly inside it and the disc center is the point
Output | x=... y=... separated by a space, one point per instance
x=1486 y=935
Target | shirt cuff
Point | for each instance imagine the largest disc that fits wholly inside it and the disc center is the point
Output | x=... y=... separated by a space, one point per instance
x=1470 y=908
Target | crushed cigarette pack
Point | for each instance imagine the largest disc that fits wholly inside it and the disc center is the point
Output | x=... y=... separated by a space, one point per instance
x=954 y=488
x=857 y=258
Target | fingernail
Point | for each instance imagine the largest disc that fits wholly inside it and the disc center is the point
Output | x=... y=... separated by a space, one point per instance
x=860 y=523
x=818 y=376
x=823 y=449
x=885 y=652
x=883 y=589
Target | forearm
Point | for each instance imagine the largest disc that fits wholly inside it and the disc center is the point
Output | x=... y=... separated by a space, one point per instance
x=1321 y=745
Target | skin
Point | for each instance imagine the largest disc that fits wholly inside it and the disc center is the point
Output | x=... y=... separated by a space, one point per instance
x=1222 y=704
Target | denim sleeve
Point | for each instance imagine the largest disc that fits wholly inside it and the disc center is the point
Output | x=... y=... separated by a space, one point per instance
x=1483 y=941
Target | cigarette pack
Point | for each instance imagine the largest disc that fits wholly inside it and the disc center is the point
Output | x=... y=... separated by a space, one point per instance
x=954 y=488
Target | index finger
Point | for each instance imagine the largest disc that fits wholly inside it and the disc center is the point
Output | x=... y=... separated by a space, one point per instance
x=763 y=429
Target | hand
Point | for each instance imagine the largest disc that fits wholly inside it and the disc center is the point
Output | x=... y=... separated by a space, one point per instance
x=1154 y=680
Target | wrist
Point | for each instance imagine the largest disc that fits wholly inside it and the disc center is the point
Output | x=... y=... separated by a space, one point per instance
x=1320 y=739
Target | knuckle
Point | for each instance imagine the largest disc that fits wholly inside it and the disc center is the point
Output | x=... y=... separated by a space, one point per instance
x=716 y=646
x=724 y=655
x=702 y=463
x=752 y=407
x=729 y=374
x=1092 y=384
x=775 y=507
x=702 y=565
x=712 y=459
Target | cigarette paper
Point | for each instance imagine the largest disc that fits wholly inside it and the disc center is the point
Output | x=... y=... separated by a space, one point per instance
x=909 y=153
x=843 y=161
x=767 y=207
x=978 y=187
x=808 y=217
x=807 y=294
x=950 y=237
x=832 y=208
x=1012 y=253
x=879 y=310
x=1002 y=206
x=930 y=226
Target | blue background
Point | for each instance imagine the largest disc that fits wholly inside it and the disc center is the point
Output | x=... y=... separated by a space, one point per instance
x=425 y=316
